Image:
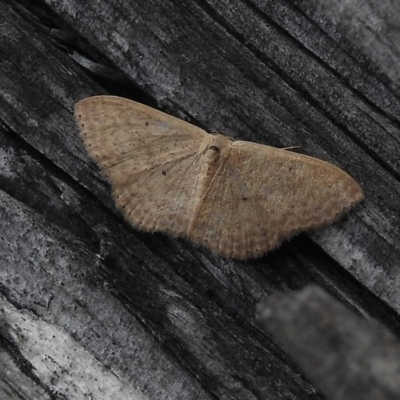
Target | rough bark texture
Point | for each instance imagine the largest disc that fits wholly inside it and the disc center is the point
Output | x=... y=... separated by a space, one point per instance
x=90 y=307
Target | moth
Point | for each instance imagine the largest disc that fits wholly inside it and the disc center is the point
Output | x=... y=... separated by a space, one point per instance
x=237 y=198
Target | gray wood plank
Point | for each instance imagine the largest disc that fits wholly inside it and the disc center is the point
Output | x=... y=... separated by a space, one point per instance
x=165 y=318
x=346 y=356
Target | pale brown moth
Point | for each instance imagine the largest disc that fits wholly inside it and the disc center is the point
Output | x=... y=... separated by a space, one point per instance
x=240 y=199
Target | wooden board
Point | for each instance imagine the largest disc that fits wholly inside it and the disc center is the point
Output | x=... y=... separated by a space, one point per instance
x=90 y=306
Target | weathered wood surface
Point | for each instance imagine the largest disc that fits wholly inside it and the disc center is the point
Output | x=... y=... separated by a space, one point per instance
x=345 y=355
x=91 y=307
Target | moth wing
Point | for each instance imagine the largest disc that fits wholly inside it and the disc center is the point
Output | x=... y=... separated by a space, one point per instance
x=228 y=219
x=150 y=158
x=295 y=191
x=263 y=195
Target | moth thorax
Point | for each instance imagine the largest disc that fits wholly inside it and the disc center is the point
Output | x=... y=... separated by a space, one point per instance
x=218 y=148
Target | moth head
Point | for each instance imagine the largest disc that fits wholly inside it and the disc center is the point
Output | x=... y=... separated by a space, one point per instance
x=218 y=146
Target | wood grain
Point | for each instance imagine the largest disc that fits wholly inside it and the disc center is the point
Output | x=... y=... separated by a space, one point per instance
x=168 y=319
